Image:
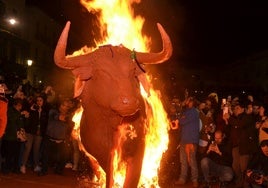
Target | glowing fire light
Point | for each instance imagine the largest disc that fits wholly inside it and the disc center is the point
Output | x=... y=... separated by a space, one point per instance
x=119 y=25
x=156 y=137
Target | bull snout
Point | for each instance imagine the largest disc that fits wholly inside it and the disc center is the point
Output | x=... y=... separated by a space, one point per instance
x=125 y=106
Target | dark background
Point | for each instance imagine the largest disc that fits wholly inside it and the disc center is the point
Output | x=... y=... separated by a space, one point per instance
x=204 y=33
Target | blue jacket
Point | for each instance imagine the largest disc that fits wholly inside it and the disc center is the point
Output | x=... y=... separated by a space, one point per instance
x=189 y=125
x=57 y=129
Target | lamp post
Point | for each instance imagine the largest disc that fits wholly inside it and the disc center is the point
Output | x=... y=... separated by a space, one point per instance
x=29 y=64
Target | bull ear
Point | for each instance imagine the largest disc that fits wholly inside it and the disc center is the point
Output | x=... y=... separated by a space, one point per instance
x=155 y=58
x=78 y=87
x=60 y=53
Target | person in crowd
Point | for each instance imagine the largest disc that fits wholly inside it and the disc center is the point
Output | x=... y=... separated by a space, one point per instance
x=175 y=110
x=189 y=125
x=211 y=109
x=243 y=140
x=257 y=170
x=21 y=95
x=218 y=160
x=256 y=107
x=221 y=123
x=262 y=128
x=261 y=118
x=58 y=130
x=11 y=145
x=35 y=130
x=3 y=117
x=50 y=95
x=3 y=112
x=207 y=129
x=73 y=150
x=249 y=108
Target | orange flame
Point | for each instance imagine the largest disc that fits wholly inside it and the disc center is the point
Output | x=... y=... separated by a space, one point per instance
x=119 y=25
x=156 y=136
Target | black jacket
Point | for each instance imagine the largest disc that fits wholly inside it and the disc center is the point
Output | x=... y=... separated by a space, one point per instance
x=243 y=133
x=226 y=158
x=36 y=122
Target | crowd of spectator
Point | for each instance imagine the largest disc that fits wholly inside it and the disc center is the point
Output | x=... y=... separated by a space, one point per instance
x=35 y=131
x=223 y=141
x=220 y=140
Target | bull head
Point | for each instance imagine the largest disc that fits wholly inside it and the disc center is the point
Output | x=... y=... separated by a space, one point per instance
x=144 y=58
x=114 y=61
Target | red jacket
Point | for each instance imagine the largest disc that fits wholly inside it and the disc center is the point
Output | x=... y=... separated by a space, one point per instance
x=3 y=115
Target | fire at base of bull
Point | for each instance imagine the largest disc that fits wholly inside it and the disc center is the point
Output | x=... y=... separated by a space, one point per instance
x=167 y=173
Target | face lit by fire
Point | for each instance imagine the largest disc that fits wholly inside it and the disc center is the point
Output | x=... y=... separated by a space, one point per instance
x=218 y=137
x=264 y=147
x=238 y=110
x=39 y=101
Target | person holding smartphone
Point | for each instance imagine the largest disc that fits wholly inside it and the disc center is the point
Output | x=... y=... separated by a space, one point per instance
x=218 y=160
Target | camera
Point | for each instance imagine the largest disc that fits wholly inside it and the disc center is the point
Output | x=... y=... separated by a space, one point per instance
x=36 y=107
x=256 y=175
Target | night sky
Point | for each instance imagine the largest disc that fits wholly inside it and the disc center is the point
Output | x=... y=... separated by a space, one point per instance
x=204 y=32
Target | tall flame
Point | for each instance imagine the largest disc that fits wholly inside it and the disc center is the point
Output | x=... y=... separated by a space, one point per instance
x=156 y=141
x=119 y=25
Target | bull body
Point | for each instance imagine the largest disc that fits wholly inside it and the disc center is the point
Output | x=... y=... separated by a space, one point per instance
x=108 y=81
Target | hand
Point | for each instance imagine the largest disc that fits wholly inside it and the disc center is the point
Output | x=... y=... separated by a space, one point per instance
x=217 y=150
x=175 y=124
x=25 y=113
x=210 y=148
x=225 y=117
x=248 y=173
x=214 y=147
x=62 y=117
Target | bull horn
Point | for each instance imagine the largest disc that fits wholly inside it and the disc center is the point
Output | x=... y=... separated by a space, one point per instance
x=156 y=58
x=60 y=52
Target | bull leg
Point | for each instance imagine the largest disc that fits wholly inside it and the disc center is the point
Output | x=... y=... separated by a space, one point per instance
x=109 y=172
x=117 y=139
x=134 y=166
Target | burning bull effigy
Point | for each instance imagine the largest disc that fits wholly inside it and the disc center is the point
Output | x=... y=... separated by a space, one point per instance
x=122 y=126
x=107 y=80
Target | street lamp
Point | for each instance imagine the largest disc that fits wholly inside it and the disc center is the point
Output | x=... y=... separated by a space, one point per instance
x=29 y=64
x=12 y=21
